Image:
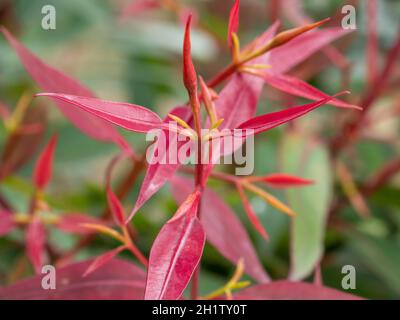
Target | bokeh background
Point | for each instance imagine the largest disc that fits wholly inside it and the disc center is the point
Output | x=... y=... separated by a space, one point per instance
x=138 y=60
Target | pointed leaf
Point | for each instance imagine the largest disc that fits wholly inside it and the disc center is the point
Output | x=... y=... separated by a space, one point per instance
x=118 y=279
x=175 y=253
x=6 y=223
x=160 y=172
x=100 y=261
x=35 y=242
x=238 y=100
x=271 y=120
x=282 y=180
x=284 y=58
x=44 y=165
x=73 y=223
x=302 y=89
x=50 y=79
x=115 y=207
x=129 y=116
x=251 y=214
x=233 y=21
x=222 y=226
x=286 y=290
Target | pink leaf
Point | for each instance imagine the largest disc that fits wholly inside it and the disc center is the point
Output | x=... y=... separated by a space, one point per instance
x=223 y=229
x=251 y=214
x=44 y=165
x=233 y=21
x=283 y=181
x=6 y=223
x=286 y=290
x=271 y=120
x=284 y=58
x=160 y=172
x=100 y=261
x=35 y=242
x=175 y=254
x=72 y=223
x=129 y=116
x=118 y=279
x=52 y=80
x=115 y=207
x=302 y=89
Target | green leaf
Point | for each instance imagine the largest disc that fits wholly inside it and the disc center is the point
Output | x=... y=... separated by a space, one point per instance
x=309 y=159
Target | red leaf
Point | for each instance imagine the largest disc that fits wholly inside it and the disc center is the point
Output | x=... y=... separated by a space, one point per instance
x=302 y=89
x=284 y=58
x=35 y=242
x=175 y=254
x=238 y=100
x=129 y=116
x=251 y=214
x=72 y=223
x=271 y=120
x=189 y=73
x=6 y=223
x=286 y=290
x=44 y=165
x=115 y=207
x=100 y=261
x=159 y=173
x=233 y=21
x=118 y=279
x=52 y=80
x=223 y=229
x=283 y=181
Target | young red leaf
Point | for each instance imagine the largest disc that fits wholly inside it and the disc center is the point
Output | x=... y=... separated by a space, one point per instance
x=115 y=207
x=6 y=223
x=73 y=223
x=282 y=180
x=286 y=290
x=238 y=100
x=251 y=214
x=35 y=242
x=175 y=254
x=189 y=73
x=50 y=79
x=302 y=89
x=118 y=279
x=44 y=165
x=129 y=116
x=223 y=229
x=233 y=21
x=271 y=120
x=284 y=58
x=102 y=260
x=160 y=172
